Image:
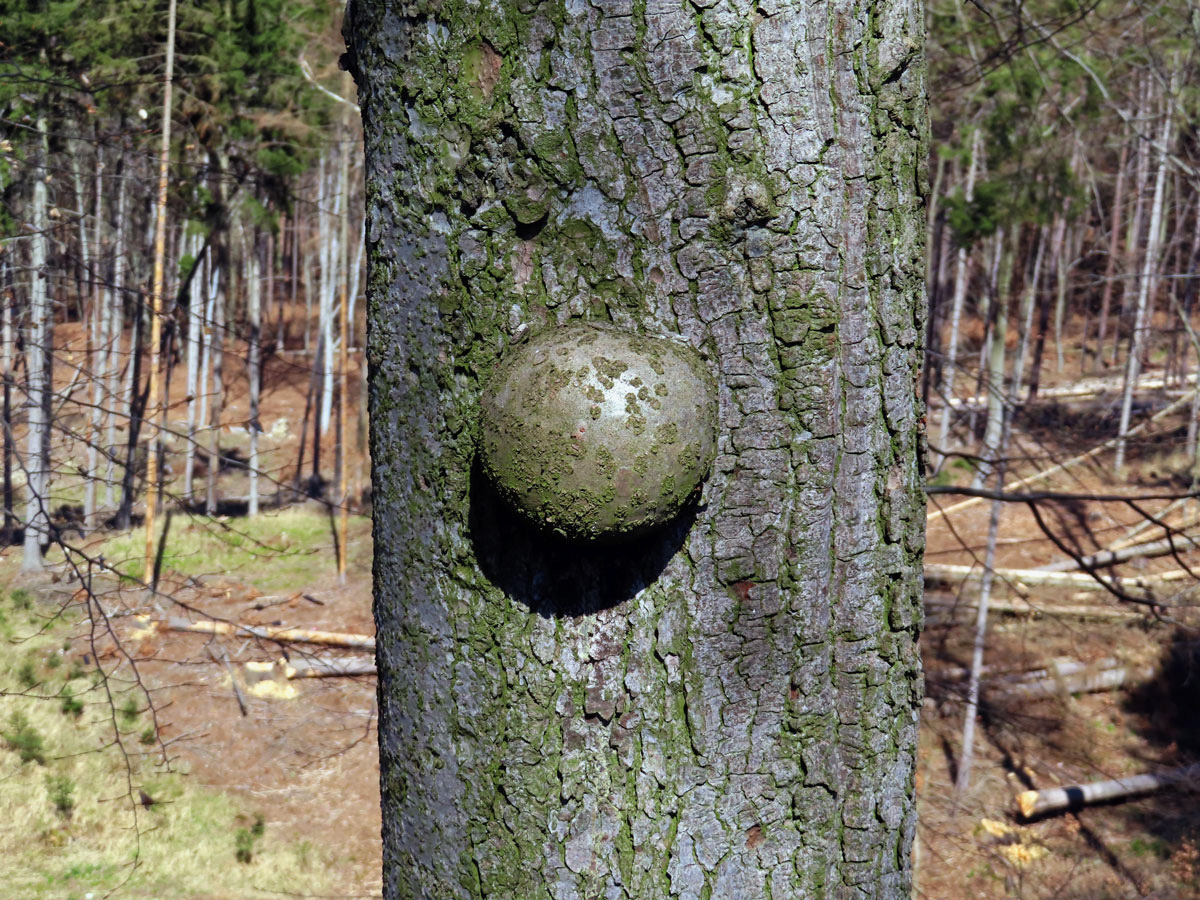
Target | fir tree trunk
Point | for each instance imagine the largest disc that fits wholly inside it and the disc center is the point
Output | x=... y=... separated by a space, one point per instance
x=727 y=708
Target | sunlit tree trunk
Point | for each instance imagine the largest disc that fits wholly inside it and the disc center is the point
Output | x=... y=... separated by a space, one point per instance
x=727 y=708
x=217 y=395
x=956 y=307
x=7 y=348
x=1110 y=264
x=194 y=346
x=37 y=520
x=1146 y=284
x=996 y=353
x=254 y=360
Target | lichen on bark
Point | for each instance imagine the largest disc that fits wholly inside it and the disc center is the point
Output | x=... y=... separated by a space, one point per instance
x=729 y=709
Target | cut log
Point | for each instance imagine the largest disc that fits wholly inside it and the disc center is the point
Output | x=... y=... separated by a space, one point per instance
x=1039 y=803
x=333 y=668
x=1132 y=536
x=276 y=633
x=313 y=668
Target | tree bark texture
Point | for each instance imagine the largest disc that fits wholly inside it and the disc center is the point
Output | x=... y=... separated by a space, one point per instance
x=727 y=708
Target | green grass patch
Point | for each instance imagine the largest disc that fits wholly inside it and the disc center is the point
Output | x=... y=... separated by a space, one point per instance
x=280 y=551
x=73 y=822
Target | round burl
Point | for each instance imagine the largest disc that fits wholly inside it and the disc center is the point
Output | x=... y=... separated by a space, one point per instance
x=598 y=433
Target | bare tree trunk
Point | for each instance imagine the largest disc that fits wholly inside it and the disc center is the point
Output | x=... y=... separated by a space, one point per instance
x=996 y=353
x=960 y=294
x=211 y=289
x=979 y=642
x=343 y=419
x=6 y=370
x=1110 y=265
x=1133 y=239
x=97 y=355
x=156 y=302
x=1029 y=300
x=1146 y=284
x=1060 y=288
x=192 y=384
x=112 y=379
x=37 y=522
x=253 y=362
x=327 y=313
x=218 y=395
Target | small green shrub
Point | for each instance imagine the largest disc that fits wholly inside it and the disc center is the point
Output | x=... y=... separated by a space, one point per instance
x=71 y=705
x=149 y=735
x=22 y=599
x=27 y=674
x=128 y=712
x=53 y=661
x=22 y=737
x=62 y=794
x=244 y=839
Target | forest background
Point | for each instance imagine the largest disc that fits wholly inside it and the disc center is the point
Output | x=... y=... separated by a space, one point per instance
x=169 y=504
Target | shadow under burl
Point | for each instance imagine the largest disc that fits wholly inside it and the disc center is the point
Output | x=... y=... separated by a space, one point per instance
x=555 y=577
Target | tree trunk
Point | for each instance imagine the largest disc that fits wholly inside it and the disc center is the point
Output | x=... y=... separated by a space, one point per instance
x=727 y=707
x=192 y=389
x=960 y=295
x=1146 y=284
x=217 y=398
x=254 y=362
x=1110 y=264
x=37 y=522
x=997 y=352
x=7 y=347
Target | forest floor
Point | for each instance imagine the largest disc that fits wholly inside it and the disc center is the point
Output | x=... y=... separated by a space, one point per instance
x=977 y=845
x=272 y=784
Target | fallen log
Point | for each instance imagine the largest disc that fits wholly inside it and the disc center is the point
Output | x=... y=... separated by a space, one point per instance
x=1077 y=796
x=1021 y=579
x=1084 y=388
x=1070 y=463
x=1082 y=680
x=314 y=668
x=275 y=633
x=1026 y=607
x=1180 y=543
x=1133 y=535
x=1024 y=680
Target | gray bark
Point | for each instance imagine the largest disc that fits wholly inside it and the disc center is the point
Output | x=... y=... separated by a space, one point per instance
x=1146 y=284
x=962 y=258
x=37 y=522
x=727 y=708
x=253 y=362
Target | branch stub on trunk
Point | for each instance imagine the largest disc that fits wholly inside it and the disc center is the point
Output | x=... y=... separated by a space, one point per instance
x=597 y=433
